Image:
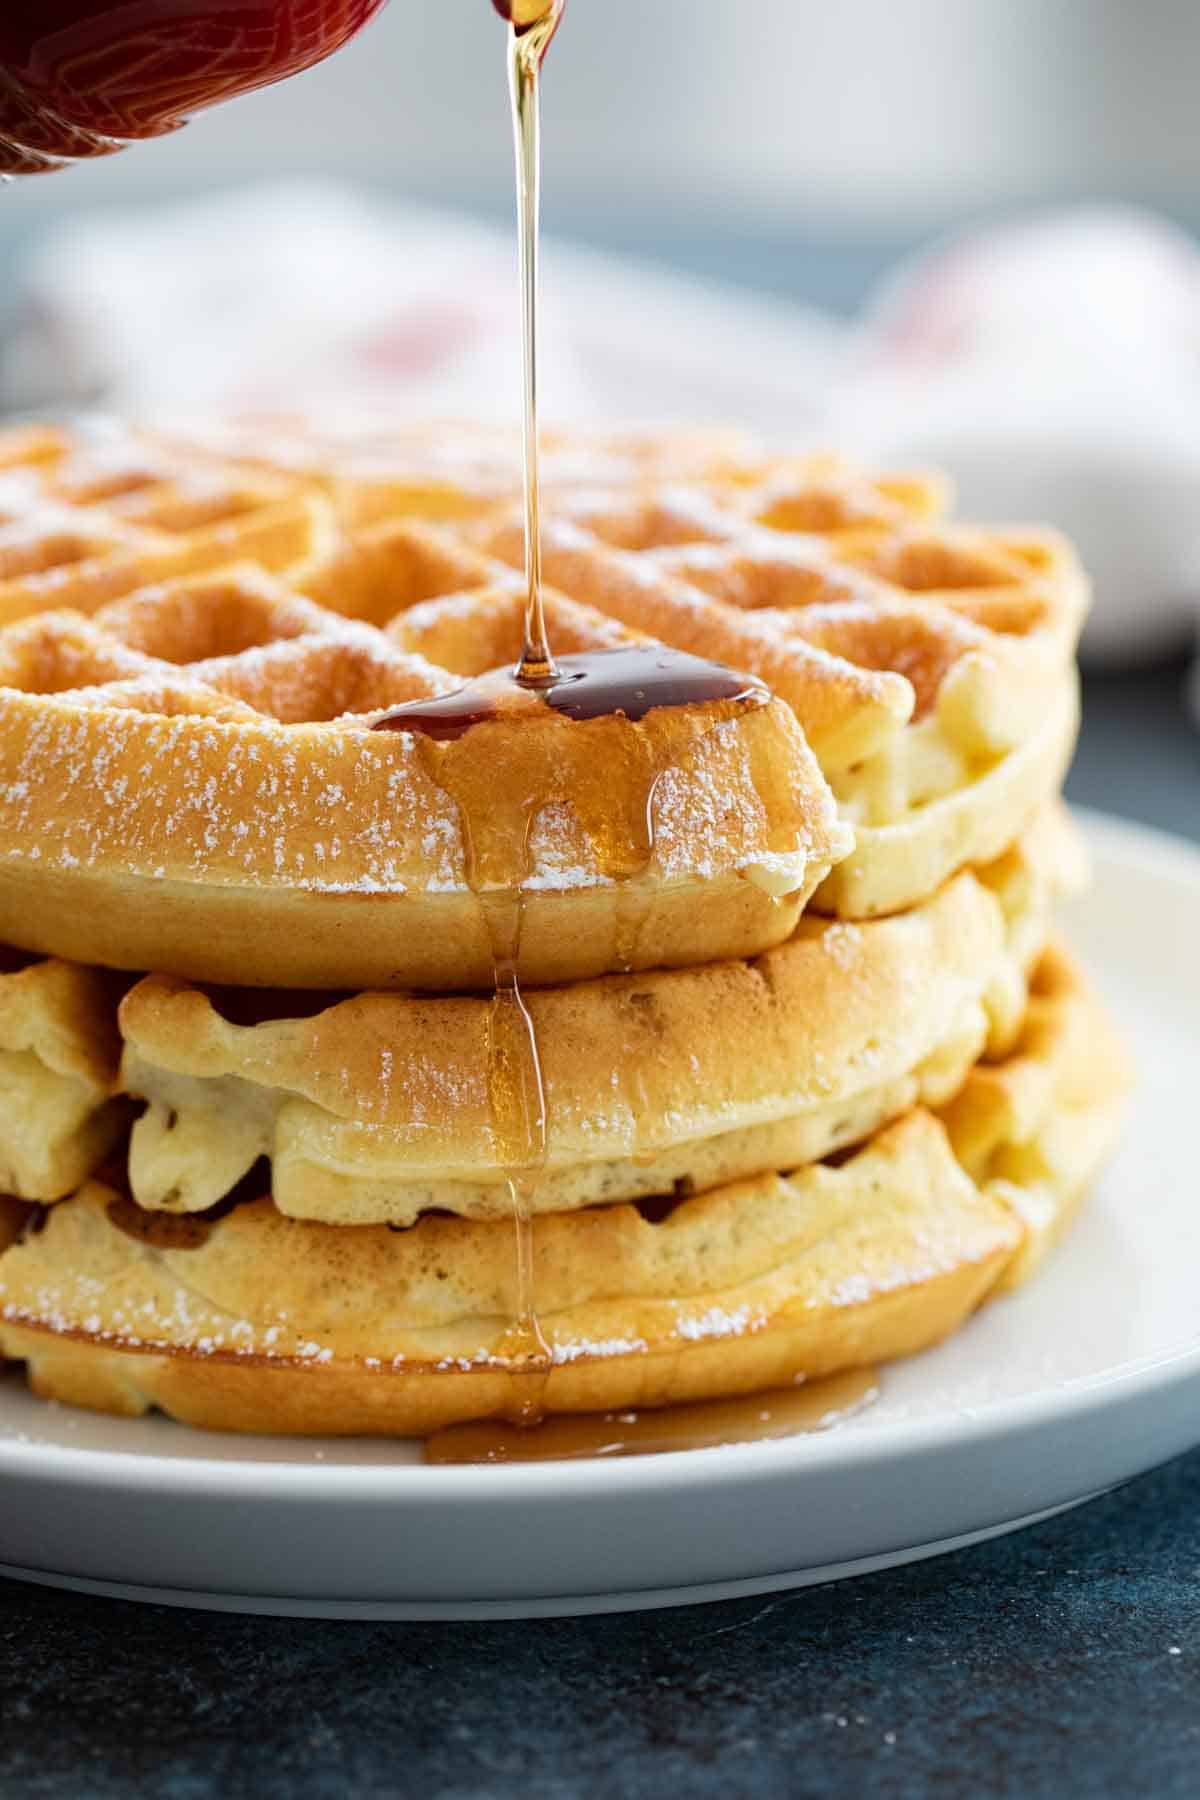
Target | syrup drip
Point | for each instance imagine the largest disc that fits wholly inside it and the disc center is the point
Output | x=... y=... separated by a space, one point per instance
x=466 y=736
x=498 y=863
x=582 y=754
x=564 y=762
x=781 y=1413
x=534 y=23
x=517 y=1096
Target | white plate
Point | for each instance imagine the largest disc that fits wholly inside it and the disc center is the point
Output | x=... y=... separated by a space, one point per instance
x=1086 y=1377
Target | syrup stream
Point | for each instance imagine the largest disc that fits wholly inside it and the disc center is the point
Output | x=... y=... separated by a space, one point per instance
x=523 y=1138
x=527 y=46
x=518 y=1104
x=629 y=681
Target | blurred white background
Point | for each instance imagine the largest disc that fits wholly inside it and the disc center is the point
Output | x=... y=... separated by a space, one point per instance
x=875 y=116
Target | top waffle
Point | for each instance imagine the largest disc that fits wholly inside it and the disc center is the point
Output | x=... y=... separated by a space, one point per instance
x=189 y=781
x=433 y=471
x=193 y=649
x=931 y=665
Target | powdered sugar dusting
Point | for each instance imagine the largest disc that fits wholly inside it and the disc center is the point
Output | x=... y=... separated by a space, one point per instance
x=719 y=1322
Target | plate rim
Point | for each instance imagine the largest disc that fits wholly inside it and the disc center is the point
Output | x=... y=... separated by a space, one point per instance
x=542 y=1606
x=1160 y=853
x=1069 y=1402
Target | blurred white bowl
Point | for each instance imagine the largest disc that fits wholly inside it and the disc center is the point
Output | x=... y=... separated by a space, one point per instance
x=1053 y=367
x=1131 y=509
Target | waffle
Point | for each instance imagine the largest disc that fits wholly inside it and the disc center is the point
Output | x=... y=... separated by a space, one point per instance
x=189 y=782
x=377 y=1108
x=931 y=665
x=251 y=1321
x=59 y=1050
x=86 y=519
x=1029 y=1127
x=438 y=471
x=241 y=823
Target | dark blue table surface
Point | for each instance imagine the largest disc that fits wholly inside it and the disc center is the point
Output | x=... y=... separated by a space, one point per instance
x=1064 y=1661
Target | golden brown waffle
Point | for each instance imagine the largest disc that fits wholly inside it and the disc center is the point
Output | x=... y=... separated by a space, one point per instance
x=256 y=1322
x=59 y=1052
x=377 y=1108
x=176 y=766
x=86 y=519
x=1048 y=863
x=1029 y=1126
x=931 y=665
x=189 y=783
x=454 y=471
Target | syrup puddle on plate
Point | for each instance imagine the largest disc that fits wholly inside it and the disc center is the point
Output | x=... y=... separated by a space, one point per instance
x=703 y=1425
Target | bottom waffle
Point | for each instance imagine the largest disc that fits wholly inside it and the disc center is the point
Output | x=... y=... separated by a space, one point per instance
x=247 y=1320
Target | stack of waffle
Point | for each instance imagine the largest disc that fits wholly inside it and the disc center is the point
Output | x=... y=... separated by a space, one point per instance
x=818 y=1078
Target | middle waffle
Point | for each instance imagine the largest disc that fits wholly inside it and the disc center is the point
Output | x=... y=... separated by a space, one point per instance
x=375 y=1108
